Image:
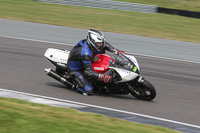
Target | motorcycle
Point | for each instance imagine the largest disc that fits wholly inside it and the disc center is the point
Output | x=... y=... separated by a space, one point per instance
x=122 y=67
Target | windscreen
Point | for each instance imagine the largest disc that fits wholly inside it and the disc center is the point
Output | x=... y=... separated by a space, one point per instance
x=121 y=61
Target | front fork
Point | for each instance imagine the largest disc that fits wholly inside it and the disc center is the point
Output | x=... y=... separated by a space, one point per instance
x=136 y=82
x=140 y=80
x=134 y=86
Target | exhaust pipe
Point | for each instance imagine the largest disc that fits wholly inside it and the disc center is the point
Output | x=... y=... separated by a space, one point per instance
x=57 y=77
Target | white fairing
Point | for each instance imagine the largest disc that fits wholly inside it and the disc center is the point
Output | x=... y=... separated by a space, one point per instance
x=128 y=75
x=134 y=60
x=57 y=55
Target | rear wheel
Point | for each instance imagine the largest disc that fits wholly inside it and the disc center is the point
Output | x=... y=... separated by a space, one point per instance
x=144 y=91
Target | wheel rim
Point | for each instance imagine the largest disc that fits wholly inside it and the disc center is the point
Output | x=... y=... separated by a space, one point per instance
x=142 y=92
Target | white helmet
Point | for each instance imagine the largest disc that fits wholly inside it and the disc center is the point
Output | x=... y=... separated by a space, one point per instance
x=94 y=37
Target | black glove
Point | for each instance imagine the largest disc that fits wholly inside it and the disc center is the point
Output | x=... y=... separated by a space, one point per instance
x=105 y=78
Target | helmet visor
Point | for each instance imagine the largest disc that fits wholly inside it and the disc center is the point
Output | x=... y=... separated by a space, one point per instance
x=100 y=45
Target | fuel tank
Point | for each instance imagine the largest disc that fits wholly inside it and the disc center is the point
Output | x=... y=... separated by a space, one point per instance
x=101 y=62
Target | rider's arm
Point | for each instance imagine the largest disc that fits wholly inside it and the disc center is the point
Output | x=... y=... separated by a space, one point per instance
x=87 y=67
x=110 y=48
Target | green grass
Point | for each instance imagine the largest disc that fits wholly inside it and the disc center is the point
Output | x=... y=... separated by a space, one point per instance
x=144 y=24
x=191 y=5
x=26 y=117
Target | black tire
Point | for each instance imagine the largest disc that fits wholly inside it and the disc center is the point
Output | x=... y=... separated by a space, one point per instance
x=144 y=91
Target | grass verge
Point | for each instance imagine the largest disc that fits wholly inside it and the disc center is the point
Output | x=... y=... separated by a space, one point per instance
x=152 y=25
x=22 y=116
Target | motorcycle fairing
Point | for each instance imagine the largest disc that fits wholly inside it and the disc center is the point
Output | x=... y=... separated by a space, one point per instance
x=134 y=61
x=125 y=75
x=57 y=55
x=126 y=62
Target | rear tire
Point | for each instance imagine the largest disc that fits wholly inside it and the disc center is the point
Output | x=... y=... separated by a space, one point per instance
x=144 y=91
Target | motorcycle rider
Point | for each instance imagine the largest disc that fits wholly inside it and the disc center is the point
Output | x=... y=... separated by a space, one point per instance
x=80 y=61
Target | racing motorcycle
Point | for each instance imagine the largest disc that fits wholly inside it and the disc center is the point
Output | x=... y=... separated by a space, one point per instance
x=122 y=67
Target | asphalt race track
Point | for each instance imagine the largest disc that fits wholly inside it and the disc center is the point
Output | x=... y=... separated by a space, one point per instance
x=177 y=82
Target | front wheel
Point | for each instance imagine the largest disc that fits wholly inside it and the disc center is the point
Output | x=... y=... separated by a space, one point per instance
x=144 y=91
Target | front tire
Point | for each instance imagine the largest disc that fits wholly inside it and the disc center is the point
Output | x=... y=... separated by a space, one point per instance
x=143 y=91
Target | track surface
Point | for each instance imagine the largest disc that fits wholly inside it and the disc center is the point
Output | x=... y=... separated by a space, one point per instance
x=130 y=43
x=177 y=83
